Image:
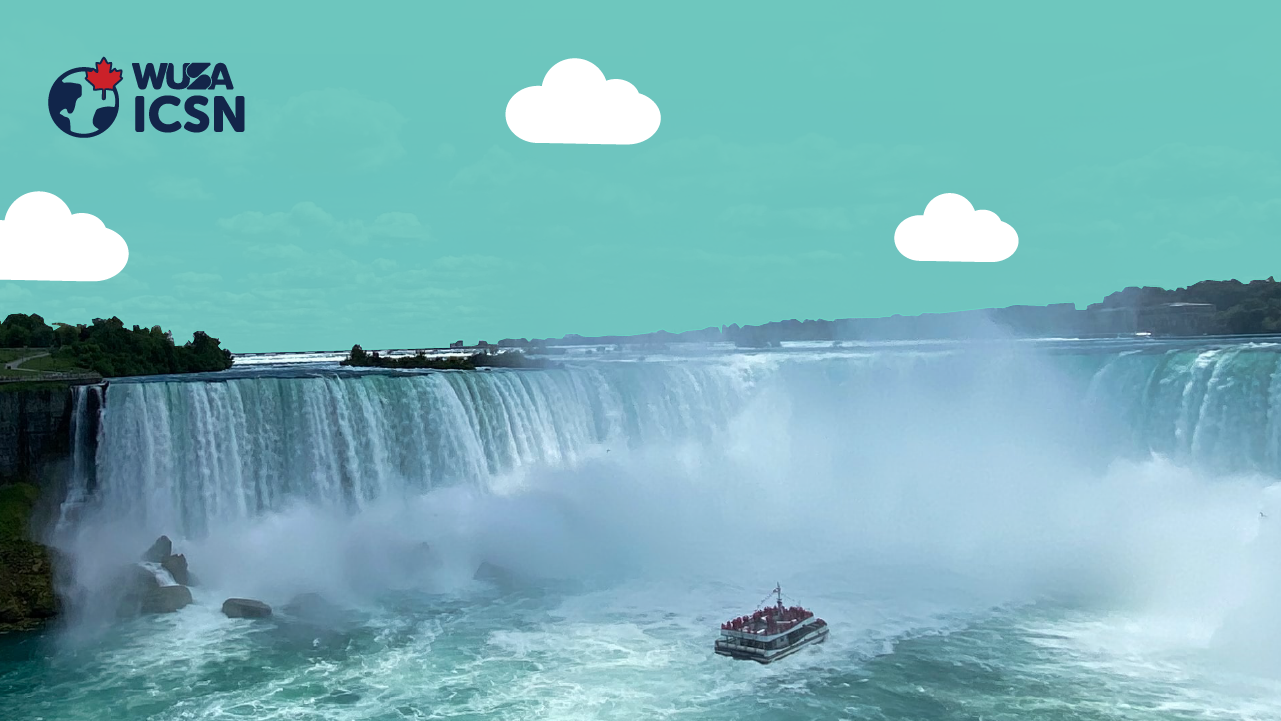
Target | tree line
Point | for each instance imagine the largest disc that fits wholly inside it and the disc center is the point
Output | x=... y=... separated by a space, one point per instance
x=1252 y=308
x=110 y=349
x=360 y=358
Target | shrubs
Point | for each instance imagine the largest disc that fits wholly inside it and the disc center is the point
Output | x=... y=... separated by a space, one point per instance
x=112 y=350
x=359 y=358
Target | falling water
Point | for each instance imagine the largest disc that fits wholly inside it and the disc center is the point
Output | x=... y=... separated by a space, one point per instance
x=183 y=455
x=992 y=532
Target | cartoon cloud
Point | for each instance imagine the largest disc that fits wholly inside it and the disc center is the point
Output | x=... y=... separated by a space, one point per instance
x=577 y=105
x=40 y=239
x=952 y=230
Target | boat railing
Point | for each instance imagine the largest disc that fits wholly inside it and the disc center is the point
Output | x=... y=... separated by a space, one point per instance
x=770 y=617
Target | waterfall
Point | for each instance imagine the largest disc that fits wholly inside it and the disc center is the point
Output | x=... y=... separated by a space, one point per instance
x=185 y=454
x=85 y=417
x=1214 y=407
x=182 y=455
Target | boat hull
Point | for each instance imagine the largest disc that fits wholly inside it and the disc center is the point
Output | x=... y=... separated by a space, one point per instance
x=767 y=656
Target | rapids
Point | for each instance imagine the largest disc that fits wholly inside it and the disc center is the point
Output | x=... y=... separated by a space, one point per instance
x=1072 y=529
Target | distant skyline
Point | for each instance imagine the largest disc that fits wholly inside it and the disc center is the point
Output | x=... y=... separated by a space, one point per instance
x=378 y=196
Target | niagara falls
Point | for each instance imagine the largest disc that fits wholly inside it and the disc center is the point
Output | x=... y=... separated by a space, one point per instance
x=996 y=529
x=582 y=361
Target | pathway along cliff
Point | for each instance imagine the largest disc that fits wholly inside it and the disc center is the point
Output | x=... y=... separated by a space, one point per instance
x=996 y=530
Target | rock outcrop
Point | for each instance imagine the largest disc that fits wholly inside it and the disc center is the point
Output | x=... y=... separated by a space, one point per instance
x=245 y=608
x=27 y=598
x=142 y=593
x=140 y=587
x=311 y=606
x=35 y=428
x=166 y=599
x=496 y=574
x=176 y=565
x=132 y=584
x=159 y=551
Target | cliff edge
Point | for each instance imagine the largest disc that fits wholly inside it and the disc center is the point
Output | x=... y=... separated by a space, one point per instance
x=27 y=597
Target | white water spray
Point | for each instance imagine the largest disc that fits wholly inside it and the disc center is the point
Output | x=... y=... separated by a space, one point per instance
x=973 y=479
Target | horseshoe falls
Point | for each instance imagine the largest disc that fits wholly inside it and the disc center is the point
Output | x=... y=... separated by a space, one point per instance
x=189 y=454
x=1026 y=530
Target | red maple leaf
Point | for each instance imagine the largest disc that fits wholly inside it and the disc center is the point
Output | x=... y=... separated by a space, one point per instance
x=104 y=78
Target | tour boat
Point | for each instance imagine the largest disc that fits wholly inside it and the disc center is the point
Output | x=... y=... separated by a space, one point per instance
x=771 y=633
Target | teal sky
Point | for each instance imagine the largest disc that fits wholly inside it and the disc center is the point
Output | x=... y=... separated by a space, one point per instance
x=1127 y=143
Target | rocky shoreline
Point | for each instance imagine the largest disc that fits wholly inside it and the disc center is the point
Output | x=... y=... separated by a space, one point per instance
x=27 y=596
x=161 y=583
x=158 y=583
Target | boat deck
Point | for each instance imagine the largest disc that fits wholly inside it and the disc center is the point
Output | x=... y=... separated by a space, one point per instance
x=770 y=633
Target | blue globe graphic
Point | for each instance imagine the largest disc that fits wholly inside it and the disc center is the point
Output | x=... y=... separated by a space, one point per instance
x=77 y=109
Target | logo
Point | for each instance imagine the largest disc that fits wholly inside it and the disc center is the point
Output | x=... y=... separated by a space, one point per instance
x=83 y=102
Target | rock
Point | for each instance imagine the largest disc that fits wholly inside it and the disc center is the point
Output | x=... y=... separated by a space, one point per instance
x=133 y=584
x=493 y=572
x=27 y=598
x=319 y=615
x=166 y=599
x=311 y=606
x=159 y=551
x=140 y=592
x=176 y=565
x=245 y=608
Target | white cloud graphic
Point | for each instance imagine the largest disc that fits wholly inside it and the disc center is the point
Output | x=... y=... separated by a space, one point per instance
x=40 y=239
x=952 y=230
x=577 y=105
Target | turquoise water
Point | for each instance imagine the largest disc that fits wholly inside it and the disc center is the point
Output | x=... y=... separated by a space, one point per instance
x=540 y=655
x=992 y=534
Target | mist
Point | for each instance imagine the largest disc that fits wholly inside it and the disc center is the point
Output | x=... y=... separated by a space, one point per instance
x=980 y=481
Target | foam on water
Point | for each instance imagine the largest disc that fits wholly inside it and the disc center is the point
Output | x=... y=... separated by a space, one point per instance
x=989 y=533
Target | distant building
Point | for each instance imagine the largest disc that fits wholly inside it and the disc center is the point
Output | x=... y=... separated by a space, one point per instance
x=1163 y=319
x=456 y=344
x=1177 y=319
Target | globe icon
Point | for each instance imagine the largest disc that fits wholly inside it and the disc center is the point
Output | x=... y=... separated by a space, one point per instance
x=78 y=109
